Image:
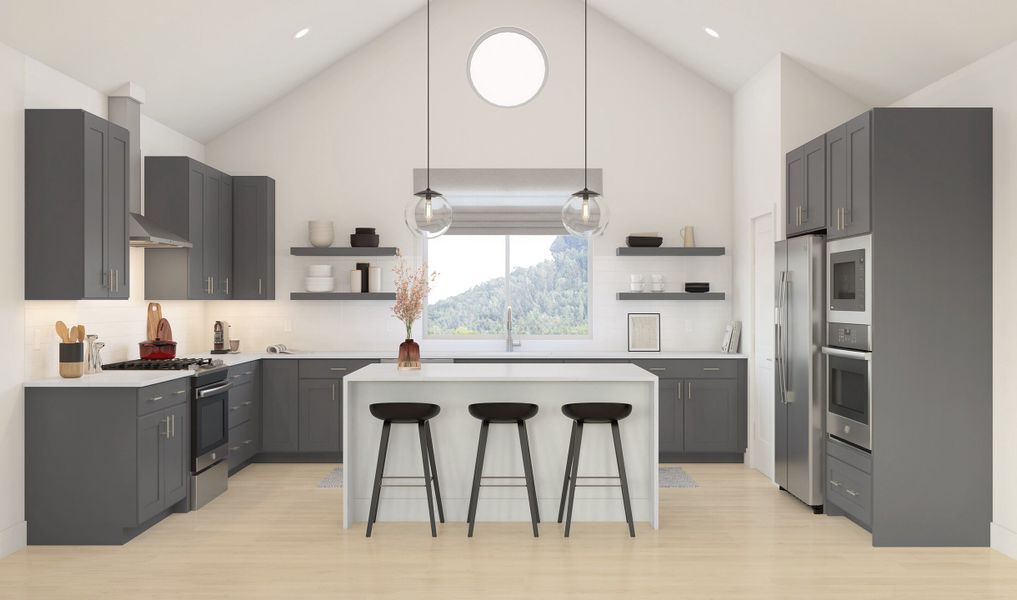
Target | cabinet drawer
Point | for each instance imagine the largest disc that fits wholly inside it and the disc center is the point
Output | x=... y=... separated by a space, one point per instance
x=159 y=396
x=241 y=404
x=243 y=373
x=848 y=454
x=330 y=369
x=850 y=489
x=243 y=443
x=691 y=368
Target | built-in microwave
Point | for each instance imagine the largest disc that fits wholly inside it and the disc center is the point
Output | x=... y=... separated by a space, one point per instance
x=849 y=280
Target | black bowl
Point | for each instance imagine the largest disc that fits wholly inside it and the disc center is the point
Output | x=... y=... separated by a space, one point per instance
x=364 y=240
x=697 y=287
x=639 y=241
x=364 y=230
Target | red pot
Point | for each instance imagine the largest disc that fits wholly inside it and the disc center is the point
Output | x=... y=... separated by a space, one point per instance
x=157 y=350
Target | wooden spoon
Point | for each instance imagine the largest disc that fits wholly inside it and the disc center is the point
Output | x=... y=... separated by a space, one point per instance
x=61 y=329
x=81 y=333
x=72 y=335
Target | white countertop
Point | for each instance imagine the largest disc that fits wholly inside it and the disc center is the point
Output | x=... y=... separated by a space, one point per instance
x=501 y=372
x=146 y=378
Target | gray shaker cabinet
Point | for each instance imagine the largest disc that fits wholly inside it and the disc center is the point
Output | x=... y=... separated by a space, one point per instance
x=671 y=418
x=711 y=416
x=253 y=238
x=848 y=186
x=320 y=415
x=805 y=185
x=76 y=189
x=280 y=402
x=163 y=468
x=224 y=284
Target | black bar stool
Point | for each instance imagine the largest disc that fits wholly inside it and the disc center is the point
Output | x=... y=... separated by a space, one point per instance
x=407 y=412
x=594 y=412
x=503 y=412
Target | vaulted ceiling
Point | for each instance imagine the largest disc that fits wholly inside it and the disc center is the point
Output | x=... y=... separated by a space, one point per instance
x=208 y=65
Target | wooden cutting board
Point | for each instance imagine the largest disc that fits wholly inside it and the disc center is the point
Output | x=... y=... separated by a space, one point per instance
x=154 y=316
x=163 y=331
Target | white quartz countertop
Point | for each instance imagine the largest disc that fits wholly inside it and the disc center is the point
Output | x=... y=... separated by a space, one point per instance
x=146 y=378
x=501 y=372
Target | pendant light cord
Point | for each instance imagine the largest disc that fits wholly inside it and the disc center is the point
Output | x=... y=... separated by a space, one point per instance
x=428 y=101
x=586 y=78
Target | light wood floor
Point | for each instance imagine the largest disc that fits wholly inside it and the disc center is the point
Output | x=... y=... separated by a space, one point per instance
x=276 y=535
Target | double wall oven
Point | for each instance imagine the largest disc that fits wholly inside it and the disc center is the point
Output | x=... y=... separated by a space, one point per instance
x=848 y=349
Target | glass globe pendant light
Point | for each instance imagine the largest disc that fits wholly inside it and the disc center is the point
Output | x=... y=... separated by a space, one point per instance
x=585 y=214
x=428 y=213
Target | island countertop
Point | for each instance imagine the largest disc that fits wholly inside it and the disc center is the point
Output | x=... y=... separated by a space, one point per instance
x=438 y=372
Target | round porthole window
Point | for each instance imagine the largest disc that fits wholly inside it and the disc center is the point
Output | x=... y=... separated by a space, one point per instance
x=507 y=67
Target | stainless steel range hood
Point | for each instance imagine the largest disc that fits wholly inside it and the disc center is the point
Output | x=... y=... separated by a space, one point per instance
x=125 y=111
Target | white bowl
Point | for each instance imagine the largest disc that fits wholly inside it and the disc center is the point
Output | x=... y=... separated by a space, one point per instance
x=319 y=284
x=319 y=271
x=658 y=287
x=636 y=287
x=636 y=278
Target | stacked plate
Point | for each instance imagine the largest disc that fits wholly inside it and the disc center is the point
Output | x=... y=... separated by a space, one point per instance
x=319 y=279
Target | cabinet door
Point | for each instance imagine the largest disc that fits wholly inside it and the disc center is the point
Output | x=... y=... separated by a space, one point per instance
x=836 y=180
x=671 y=418
x=225 y=289
x=794 y=190
x=858 y=210
x=197 y=283
x=279 y=401
x=115 y=214
x=152 y=432
x=253 y=238
x=175 y=455
x=211 y=213
x=97 y=275
x=813 y=216
x=320 y=415
x=711 y=415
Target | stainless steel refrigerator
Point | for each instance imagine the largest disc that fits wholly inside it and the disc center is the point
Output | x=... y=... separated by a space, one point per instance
x=799 y=334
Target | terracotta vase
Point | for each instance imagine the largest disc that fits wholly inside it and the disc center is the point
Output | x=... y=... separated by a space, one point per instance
x=409 y=355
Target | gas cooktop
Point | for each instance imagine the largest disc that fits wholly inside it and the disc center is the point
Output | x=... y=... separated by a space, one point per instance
x=172 y=364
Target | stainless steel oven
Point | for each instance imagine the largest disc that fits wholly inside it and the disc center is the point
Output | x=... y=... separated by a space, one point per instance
x=209 y=436
x=849 y=280
x=848 y=355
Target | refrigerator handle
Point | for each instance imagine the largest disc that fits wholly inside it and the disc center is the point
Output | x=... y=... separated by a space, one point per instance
x=779 y=324
x=787 y=319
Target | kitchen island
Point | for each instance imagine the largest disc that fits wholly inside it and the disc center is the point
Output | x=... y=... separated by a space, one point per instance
x=454 y=387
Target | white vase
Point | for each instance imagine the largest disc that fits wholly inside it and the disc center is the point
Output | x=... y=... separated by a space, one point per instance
x=356 y=283
x=374 y=280
x=321 y=233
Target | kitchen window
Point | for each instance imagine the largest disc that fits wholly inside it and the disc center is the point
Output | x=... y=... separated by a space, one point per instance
x=544 y=277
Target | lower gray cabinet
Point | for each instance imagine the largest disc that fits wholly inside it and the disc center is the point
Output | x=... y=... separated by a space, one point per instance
x=711 y=416
x=244 y=414
x=320 y=415
x=163 y=468
x=671 y=419
x=280 y=400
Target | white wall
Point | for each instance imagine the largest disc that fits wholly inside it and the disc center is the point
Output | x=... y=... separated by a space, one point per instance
x=780 y=108
x=12 y=312
x=992 y=81
x=27 y=83
x=120 y=324
x=343 y=147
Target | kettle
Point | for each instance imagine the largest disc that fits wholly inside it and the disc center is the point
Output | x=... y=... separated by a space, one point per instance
x=221 y=337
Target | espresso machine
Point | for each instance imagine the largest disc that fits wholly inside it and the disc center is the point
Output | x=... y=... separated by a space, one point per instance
x=220 y=337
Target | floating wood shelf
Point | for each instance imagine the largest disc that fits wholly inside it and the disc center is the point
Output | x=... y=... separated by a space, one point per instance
x=667 y=251
x=670 y=296
x=342 y=251
x=342 y=296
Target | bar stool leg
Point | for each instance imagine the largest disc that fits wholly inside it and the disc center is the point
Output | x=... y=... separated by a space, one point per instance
x=531 y=487
x=378 y=472
x=616 y=433
x=434 y=471
x=478 y=471
x=575 y=475
x=422 y=434
x=568 y=469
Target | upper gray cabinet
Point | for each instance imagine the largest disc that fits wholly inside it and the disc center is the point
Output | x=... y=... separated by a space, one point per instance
x=76 y=186
x=194 y=201
x=253 y=238
x=805 y=196
x=848 y=186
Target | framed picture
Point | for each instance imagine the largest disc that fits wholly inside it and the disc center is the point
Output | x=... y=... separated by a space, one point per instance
x=644 y=332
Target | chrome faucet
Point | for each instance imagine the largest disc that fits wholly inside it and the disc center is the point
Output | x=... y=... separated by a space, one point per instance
x=510 y=344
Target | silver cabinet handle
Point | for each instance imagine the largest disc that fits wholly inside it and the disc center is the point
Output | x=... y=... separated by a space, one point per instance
x=679 y=390
x=334 y=396
x=337 y=368
x=155 y=399
x=248 y=403
x=232 y=448
x=259 y=286
x=237 y=376
x=834 y=483
x=116 y=280
x=227 y=286
x=851 y=492
x=711 y=368
x=232 y=408
x=211 y=285
x=690 y=391
x=179 y=392
x=173 y=425
x=167 y=434
x=248 y=372
x=248 y=442
x=658 y=368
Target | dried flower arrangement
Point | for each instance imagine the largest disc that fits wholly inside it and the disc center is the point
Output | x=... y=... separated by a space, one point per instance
x=411 y=287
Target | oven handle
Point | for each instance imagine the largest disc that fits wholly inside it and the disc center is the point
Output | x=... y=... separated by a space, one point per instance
x=205 y=393
x=856 y=354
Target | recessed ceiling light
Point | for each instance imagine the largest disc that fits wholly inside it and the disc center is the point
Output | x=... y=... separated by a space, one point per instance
x=301 y=33
x=710 y=31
